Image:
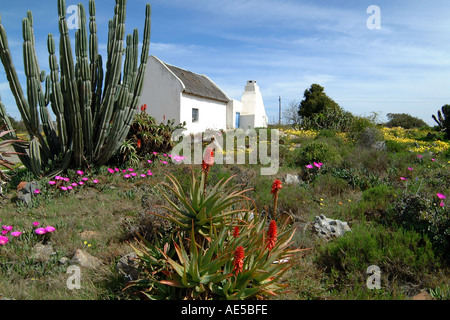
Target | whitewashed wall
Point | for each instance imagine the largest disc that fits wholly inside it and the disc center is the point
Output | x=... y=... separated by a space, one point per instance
x=161 y=92
x=212 y=114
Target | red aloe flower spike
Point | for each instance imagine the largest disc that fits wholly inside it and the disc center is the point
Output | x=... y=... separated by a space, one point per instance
x=236 y=232
x=239 y=260
x=276 y=186
x=272 y=234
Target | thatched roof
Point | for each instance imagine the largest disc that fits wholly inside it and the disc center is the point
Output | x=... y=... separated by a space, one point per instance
x=198 y=84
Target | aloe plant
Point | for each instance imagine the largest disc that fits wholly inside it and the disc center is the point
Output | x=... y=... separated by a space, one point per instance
x=8 y=137
x=219 y=250
x=94 y=110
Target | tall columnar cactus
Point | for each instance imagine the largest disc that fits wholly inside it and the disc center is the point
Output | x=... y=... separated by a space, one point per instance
x=93 y=110
x=443 y=119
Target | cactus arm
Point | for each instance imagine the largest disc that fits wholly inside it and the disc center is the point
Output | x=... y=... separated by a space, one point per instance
x=84 y=84
x=113 y=77
x=72 y=106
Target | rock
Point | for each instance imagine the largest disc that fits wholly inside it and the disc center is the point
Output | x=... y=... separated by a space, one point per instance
x=84 y=259
x=42 y=253
x=291 y=179
x=423 y=295
x=25 y=191
x=128 y=266
x=64 y=261
x=327 y=228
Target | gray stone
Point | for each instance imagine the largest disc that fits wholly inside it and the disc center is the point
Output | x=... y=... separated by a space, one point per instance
x=327 y=228
x=291 y=179
x=128 y=266
x=26 y=193
x=84 y=259
x=42 y=252
x=64 y=261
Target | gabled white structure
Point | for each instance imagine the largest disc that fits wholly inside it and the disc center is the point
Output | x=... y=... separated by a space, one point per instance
x=171 y=93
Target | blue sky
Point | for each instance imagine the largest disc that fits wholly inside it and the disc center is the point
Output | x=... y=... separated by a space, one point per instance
x=285 y=45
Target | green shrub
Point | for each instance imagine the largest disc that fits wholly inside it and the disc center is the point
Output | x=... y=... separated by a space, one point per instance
x=400 y=254
x=422 y=214
x=378 y=194
x=404 y=120
x=330 y=185
x=328 y=133
x=147 y=136
x=317 y=151
x=395 y=146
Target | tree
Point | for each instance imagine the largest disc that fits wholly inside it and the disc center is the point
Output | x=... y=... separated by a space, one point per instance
x=316 y=102
x=404 y=120
x=290 y=113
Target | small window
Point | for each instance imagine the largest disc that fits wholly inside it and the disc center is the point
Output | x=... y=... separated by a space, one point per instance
x=194 y=115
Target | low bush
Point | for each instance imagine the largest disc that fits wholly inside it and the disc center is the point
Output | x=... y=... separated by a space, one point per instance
x=402 y=255
x=424 y=215
x=317 y=151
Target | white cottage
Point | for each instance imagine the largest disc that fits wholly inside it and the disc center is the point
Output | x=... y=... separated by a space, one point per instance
x=184 y=96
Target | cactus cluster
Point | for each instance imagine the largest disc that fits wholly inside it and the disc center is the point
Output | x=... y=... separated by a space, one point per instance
x=94 y=109
x=443 y=119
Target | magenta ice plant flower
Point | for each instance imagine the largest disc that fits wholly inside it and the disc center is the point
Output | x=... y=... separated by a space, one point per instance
x=111 y=170
x=50 y=229
x=441 y=196
x=442 y=204
x=85 y=179
x=4 y=232
x=410 y=169
x=35 y=224
x=41 y=231
x=95 y=181
x=309 y=166
x=403 y=178
x=81 y=183
x=127 y=176
x=79 y=172
x=37 y=191
x=3 y=240
x=52 y=183
x=16 y=234
x=7 y=228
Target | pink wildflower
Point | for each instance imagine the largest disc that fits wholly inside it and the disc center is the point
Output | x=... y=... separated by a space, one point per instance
x=52 y=183
x=16 y=234
x=35 y=223
x=3 y=240
x=79 y=172
x=41 y=231
x=441 y=196
x=309 y=166
x=50 y=229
